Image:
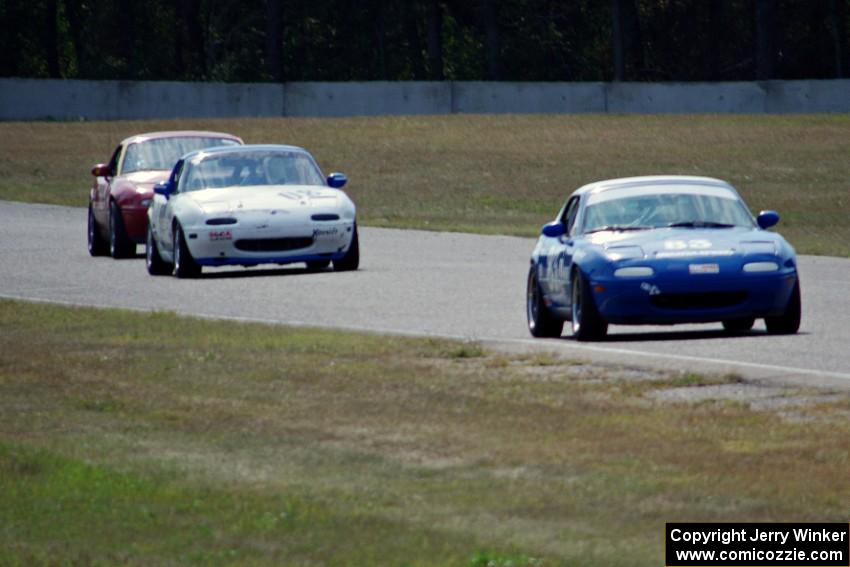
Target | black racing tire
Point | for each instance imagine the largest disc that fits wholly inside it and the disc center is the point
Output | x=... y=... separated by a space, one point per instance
x=184 y=265
x=153 y=261
x=738 y=325
x=120 y=245
x=316 y=265
x=541 y=322
x=587 y=323
x=789 y=322
x=351 y=260
x=97 y=244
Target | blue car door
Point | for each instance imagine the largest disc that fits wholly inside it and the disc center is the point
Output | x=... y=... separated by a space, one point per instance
x=560 y=258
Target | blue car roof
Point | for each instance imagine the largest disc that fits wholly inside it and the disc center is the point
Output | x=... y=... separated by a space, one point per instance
x=646 y=180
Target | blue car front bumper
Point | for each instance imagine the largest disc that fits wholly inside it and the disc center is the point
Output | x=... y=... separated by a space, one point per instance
x=694 y=299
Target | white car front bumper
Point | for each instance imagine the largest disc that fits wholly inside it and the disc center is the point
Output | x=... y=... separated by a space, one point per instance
x=249 y=244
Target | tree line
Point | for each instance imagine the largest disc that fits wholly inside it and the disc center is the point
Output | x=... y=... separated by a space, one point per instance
x=343 y=40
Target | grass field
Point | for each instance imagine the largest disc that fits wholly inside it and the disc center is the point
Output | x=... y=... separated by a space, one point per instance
x=497 y=174
x=151 y=439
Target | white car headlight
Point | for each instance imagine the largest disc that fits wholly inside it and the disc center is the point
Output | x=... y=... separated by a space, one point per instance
x=634 y=272
x=754 y=267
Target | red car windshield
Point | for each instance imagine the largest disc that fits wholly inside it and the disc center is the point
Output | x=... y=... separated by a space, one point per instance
x=163 y=153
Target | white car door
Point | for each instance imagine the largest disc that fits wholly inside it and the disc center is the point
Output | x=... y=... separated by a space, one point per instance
x=163 y=213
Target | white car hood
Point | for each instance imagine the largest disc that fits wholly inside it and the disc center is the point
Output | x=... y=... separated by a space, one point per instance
x=282 y=198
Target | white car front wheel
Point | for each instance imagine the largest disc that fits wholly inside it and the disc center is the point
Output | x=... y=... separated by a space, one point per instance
x=184 y=265
x=351 y=260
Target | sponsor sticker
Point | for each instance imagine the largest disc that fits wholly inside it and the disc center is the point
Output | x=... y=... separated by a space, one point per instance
x=317 y=232
x=651 y=289
x=693 y=253
x=704 y=268
x=221 y=235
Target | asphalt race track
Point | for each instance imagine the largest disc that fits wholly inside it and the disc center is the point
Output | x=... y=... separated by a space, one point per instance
x=417 y=283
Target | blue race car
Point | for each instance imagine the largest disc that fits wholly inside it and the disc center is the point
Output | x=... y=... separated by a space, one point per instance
x=660 y=250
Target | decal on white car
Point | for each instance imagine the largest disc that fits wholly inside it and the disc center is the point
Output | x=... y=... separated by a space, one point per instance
x=221 y=235
x=317 y=232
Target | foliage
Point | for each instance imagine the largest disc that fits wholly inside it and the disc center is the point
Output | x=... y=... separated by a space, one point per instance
x=341 y=40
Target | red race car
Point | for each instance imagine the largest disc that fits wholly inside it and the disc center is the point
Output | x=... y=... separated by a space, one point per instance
x=123 y=188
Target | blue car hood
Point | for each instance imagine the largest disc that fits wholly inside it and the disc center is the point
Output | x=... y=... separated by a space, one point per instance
x=683 y=242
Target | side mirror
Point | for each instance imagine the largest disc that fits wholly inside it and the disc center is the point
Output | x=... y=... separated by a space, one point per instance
x=767 y=219
x=554 y=229
x=101 y=170
x=337 y=180
x=163 y=188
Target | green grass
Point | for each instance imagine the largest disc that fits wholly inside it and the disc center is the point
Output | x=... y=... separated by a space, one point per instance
x=149 y=439
x=57 y=508
x=498 y=174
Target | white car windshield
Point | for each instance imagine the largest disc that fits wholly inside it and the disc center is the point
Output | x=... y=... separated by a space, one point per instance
x=250 y=169
x=163 y=153
x=643 y=209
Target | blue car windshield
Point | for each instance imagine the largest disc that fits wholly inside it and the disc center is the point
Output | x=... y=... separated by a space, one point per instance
x=623 y=209
x=163 y=153
x=252 y=169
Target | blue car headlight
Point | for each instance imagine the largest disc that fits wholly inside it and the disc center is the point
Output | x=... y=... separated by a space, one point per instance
x=758 y=247
x=634 y=272
x=760 y=267
x=616 y=253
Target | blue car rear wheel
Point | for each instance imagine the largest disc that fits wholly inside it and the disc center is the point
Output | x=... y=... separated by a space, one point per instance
x=541 y=322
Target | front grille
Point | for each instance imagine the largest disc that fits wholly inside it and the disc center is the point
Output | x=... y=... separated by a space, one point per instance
x=273 y=244
x=708 y=300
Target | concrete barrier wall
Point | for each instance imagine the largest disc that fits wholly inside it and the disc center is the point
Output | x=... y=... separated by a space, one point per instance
x=367 y=99
x=38 y=99
x=658 y=98
x=43 y=99
x=523 y=98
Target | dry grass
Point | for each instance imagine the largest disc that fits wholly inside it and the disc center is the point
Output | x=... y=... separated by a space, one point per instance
x=497 y=174
x=318 y=447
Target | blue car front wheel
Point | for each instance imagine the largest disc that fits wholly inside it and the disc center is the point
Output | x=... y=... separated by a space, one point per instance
x=789 y=322
x=587 y=324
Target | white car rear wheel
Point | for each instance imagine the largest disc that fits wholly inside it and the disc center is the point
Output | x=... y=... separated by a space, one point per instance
x=155 y=264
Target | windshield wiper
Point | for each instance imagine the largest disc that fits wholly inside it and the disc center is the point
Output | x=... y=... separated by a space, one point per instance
x=699 y=224
x=619 y=228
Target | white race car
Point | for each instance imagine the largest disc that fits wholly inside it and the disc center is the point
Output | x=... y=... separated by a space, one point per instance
x=249 y=205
